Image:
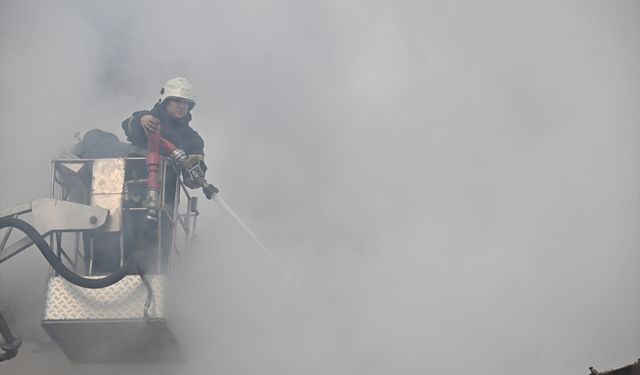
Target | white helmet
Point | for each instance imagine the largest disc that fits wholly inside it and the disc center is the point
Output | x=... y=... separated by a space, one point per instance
x=178 y=88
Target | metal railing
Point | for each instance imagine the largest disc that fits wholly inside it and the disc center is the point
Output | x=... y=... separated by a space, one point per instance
x=174 y=228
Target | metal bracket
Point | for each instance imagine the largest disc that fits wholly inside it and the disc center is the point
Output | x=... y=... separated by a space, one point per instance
x=52 y=215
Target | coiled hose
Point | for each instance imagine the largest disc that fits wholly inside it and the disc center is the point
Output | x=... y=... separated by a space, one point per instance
x=11 y=343
x=57 y=264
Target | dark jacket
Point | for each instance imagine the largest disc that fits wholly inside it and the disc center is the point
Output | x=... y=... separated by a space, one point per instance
x=178 y=132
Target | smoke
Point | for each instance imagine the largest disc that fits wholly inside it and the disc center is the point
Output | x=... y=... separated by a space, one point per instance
x=454 y=183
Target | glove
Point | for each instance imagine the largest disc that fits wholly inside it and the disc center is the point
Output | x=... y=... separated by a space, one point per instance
x=193 y=175
x=192 y=160
x=182 y=161
x=149 y=123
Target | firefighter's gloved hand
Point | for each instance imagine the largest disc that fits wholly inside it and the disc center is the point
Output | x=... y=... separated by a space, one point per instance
x=192 y=160
x=149 y=123
x=181 y=161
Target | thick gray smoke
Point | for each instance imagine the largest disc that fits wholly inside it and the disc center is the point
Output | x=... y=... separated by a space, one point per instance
x=455 y=183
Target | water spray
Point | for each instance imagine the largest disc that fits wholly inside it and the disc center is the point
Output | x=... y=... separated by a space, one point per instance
x=225 y=206
x=196 y=175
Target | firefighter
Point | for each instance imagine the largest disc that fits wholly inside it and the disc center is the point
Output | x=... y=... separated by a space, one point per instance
x=171 y=115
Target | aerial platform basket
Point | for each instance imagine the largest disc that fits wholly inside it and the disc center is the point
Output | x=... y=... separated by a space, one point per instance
x=108 y=325
x=94 y=220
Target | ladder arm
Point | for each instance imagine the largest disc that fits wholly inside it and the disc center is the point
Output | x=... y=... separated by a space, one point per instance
x=51 y=215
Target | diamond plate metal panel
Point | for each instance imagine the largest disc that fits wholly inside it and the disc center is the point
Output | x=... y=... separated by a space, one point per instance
x=123 y=300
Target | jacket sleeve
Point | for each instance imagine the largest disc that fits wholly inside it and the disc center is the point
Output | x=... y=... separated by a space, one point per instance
x=133 y=129
x=195 y=148
x=195 y=143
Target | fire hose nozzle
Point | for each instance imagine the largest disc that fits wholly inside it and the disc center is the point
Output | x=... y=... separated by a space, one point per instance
x=209 y=190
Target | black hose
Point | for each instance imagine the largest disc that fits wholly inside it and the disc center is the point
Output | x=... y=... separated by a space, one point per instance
x=147 y=285
x=10 y=343
x=57 y=264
